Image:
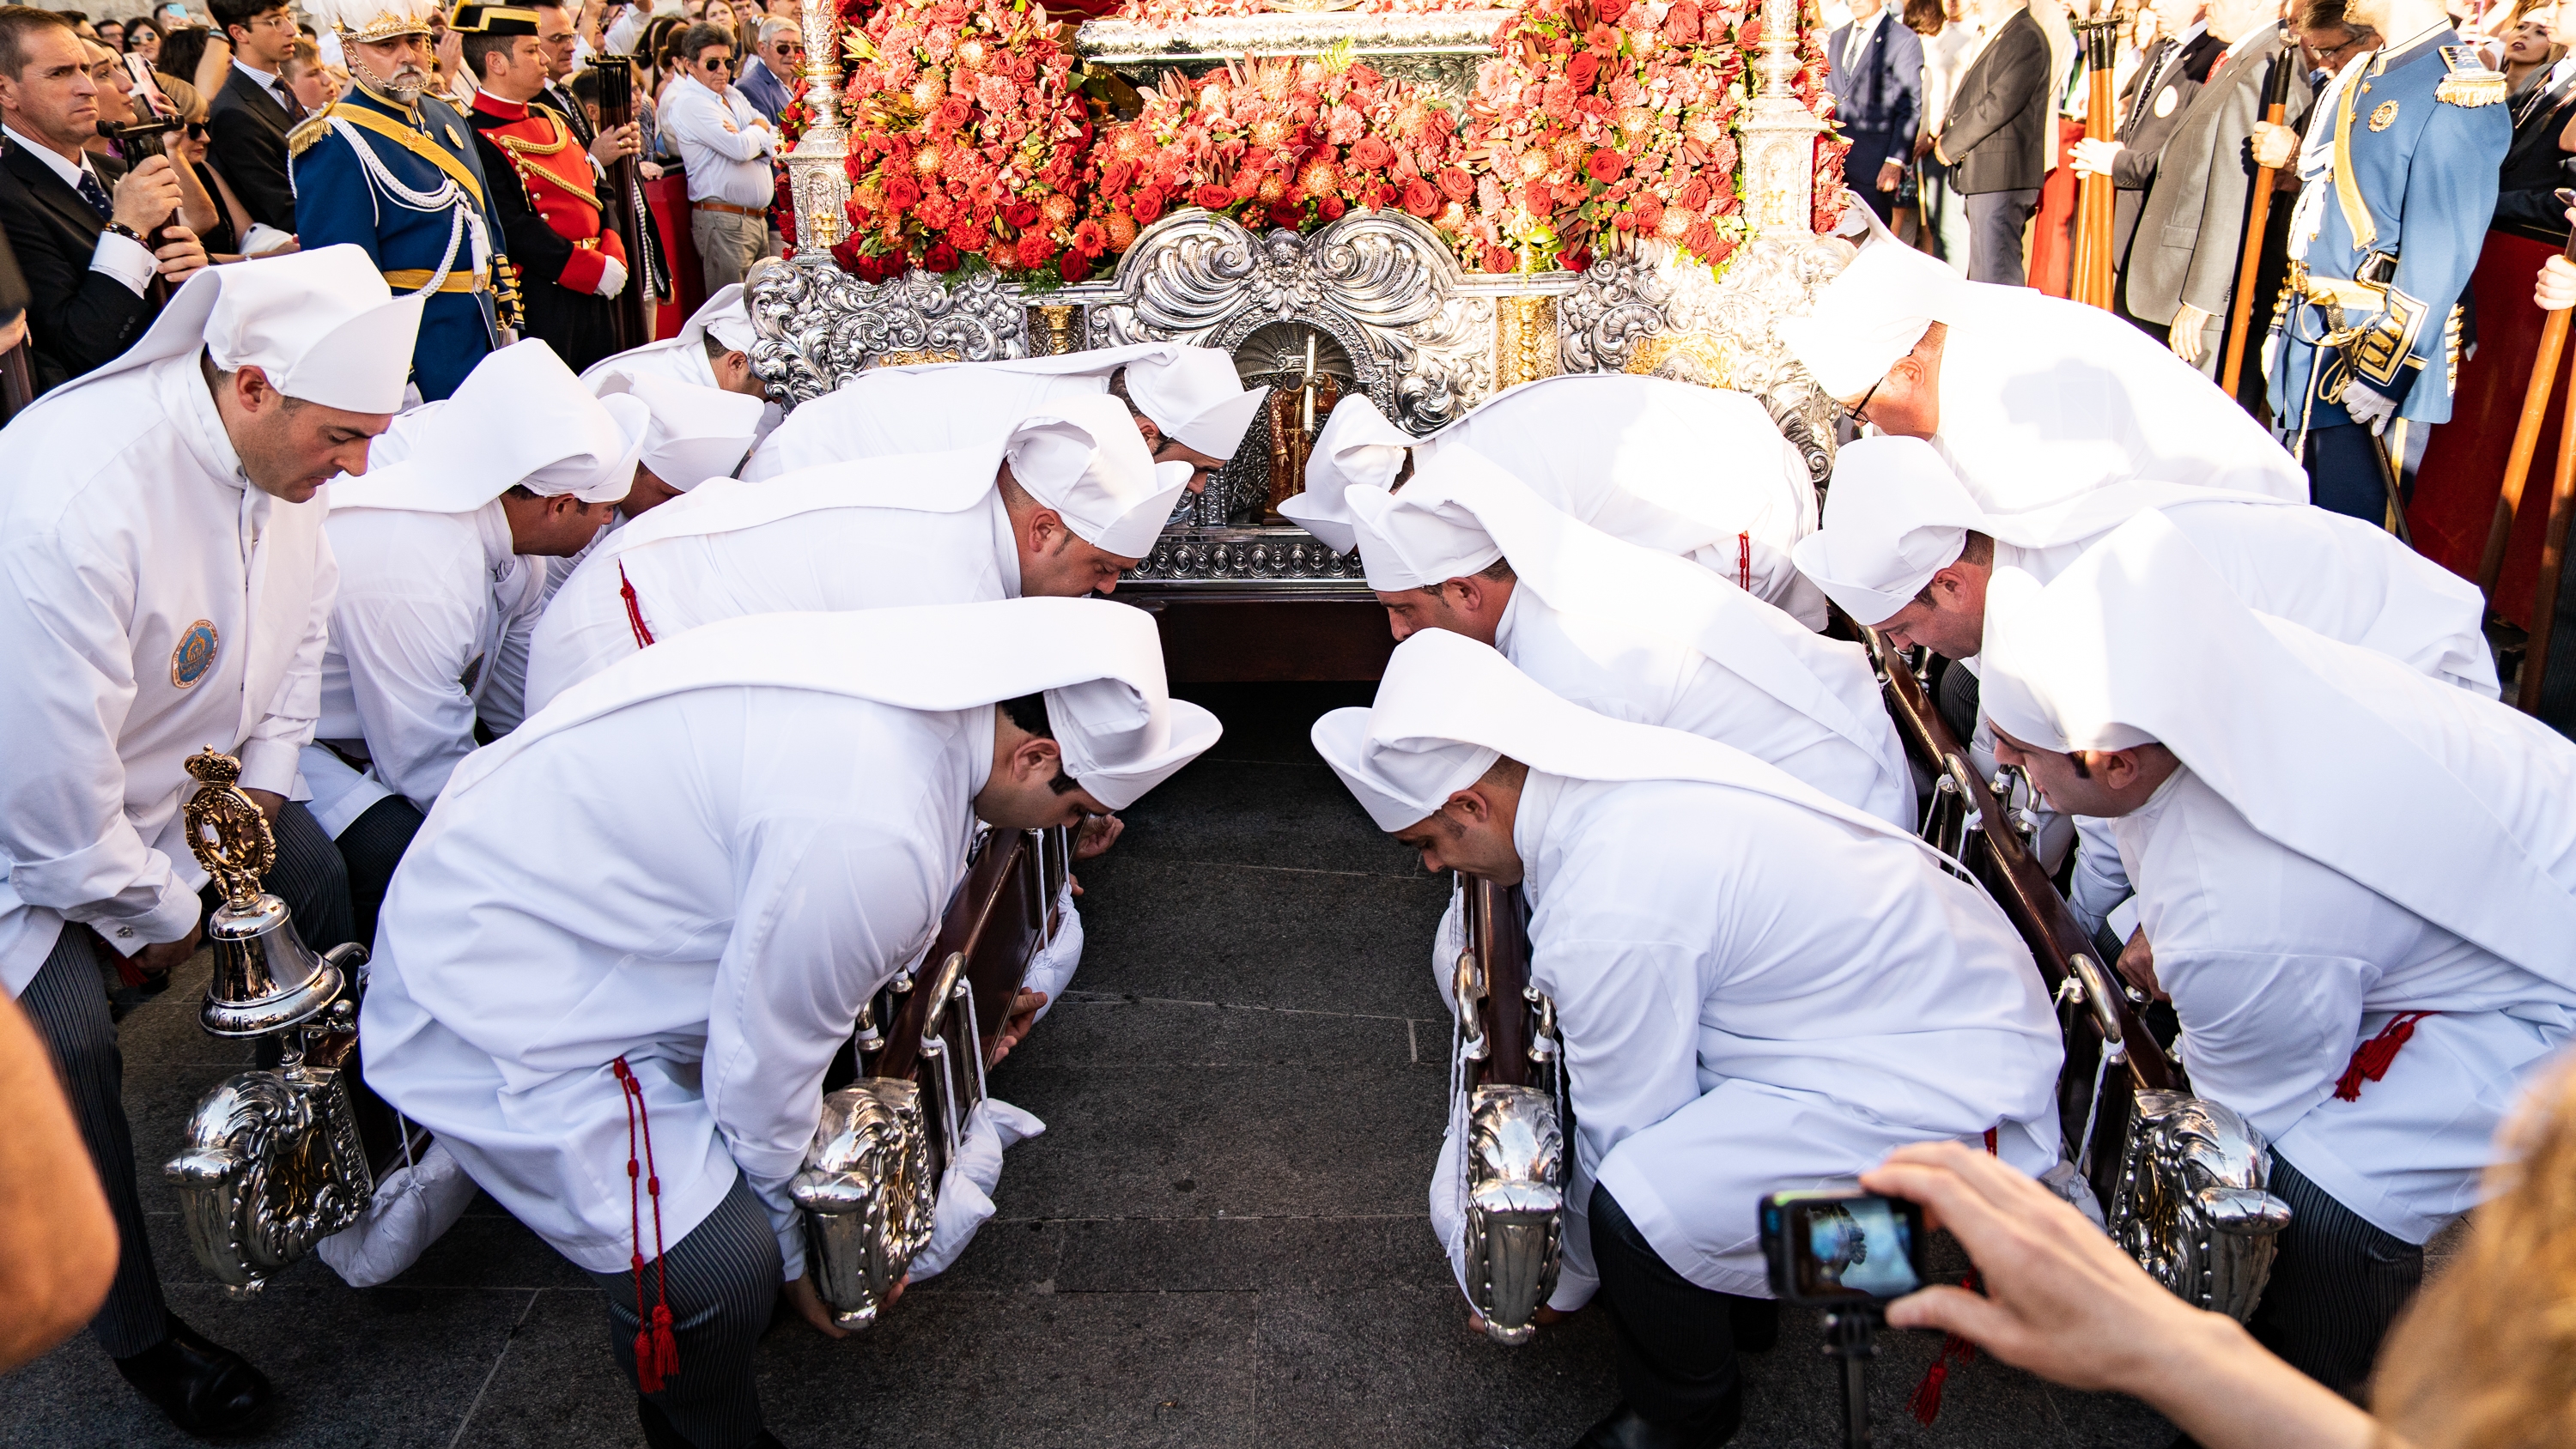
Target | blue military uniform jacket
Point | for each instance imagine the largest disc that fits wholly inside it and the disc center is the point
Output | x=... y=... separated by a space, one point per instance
x=417 y=200
x=2418 y=136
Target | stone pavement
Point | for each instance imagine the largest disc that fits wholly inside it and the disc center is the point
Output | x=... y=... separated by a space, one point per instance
x=1220 y=1241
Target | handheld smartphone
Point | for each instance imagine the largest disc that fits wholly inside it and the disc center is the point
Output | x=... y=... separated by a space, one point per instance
x=1842 y=1245
x=156 y=103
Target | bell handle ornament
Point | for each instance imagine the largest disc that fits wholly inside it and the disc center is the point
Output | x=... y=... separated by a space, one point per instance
x=227 y=831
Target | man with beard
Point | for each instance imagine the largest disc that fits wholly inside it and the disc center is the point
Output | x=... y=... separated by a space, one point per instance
x=394 y=170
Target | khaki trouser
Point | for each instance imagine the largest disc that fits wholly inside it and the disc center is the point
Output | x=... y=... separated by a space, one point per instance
x=727 y=244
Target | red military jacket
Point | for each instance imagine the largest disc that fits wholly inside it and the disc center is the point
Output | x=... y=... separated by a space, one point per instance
x=551 y=220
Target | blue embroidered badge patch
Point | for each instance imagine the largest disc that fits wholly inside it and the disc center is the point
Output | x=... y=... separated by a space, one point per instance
x=195 y=654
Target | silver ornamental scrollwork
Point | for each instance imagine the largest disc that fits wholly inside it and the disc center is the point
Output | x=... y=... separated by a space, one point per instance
x=816 y=324
x=2193 y=1205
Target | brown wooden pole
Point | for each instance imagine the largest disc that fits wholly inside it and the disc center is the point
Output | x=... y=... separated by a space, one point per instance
x=2553 y=558
x=2258 y=216
x=17 y=382
x=2526 y=441
x=2095 y=199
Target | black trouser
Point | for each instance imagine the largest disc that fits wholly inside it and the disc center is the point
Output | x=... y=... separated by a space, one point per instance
x=373 y=845
x=2343 y=469
x=67 y=1001
x=723 y=1281
x=2336 y=1287
x=1676 y=1339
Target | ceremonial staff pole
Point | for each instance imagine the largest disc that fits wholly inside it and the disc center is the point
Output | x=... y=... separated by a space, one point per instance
x=617 y=108
x=2095 y=195
x=2553 y=549
x=17 y=381
x=2526 y=440
x=2258 y=216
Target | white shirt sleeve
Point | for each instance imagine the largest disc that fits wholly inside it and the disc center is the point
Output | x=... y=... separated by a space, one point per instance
x=269 y=754
x=407 y=657
x=693 y=114
x=127 y=260
x=64 y=835
x=827 y=913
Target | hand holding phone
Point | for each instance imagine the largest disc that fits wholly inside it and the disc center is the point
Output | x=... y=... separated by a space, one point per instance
x=1840 y=1246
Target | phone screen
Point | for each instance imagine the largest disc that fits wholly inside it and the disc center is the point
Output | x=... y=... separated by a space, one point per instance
x=148 y=90
x=1834 y=1246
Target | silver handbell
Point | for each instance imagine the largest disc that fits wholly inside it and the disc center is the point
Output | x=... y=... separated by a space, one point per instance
x=266 y=979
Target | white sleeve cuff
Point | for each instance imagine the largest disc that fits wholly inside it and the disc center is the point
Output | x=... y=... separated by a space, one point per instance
x=171 y=920
x=270 y=764
x=124 y=258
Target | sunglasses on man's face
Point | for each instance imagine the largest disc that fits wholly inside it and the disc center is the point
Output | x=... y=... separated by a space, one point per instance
x=716 y=62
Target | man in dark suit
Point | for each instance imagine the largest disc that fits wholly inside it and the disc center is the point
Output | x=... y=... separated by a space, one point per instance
x=768 y=79
x=556 y=40
x=1996 y=140
x=247 y=122
x=1877 y=82
x=2181 y=276
x=2158 y=95
x=78 y=222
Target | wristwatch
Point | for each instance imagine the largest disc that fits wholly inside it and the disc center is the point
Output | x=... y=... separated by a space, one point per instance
x=127 y=232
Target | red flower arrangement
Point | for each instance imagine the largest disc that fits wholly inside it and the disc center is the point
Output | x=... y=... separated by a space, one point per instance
x=1281 y=143
x=1602 y=121
x=966 y=132
x=1166 y=12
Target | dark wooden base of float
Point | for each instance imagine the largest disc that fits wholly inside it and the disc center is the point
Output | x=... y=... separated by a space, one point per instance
x=1229 y=634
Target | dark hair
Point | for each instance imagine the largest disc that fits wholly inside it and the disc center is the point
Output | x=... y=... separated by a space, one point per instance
x=584 y=86
x=229 y=13
x=135 y=27
x=479 y=46
x=17 y=22
x=698 y=39
x=181 y=52
x=1975 y=549
x=1924 y=17
x=1029 y=712
x=2326 y=15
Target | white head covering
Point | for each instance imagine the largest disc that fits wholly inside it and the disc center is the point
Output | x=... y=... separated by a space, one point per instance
x=1194 y=395
x=520 y=418
x=695 y=433
x=723 y=315
x=1099 y=664
x=1449 y=706
x=321 y=324
x=1357 y=447
x=1871 y=315
x=1897 y=515
x=1409 y=542
x=2334 y=752
x=1084 y=458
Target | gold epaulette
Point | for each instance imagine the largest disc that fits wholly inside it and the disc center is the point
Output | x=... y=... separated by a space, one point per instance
x=309 y=130
x=2470 y=83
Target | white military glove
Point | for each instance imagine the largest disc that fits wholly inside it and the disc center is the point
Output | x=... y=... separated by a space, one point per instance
x=613 y=280
x=2556 y=290
x=2368 y=407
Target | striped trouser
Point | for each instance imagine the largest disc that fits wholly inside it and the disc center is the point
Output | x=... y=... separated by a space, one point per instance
x=2337 y=1285
x=723 y=1283
x=67 y=1002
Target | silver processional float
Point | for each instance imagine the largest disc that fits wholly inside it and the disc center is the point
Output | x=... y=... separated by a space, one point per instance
x=273 y=1161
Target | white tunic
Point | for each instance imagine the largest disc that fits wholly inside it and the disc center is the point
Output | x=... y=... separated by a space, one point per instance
x=1674 y=467
x=156 y=603
x=2279 y=968
x=689 y=564
x=885 y=411
x=681 y=359
x=1754 y=997
x=417 y=651
x=1628 y=673
x=793 y=850
x=2043 y=399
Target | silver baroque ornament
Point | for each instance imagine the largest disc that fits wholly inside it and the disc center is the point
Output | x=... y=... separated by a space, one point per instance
x=816 y=324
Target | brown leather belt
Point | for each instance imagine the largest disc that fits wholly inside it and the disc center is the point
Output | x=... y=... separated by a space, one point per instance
x=729 y=209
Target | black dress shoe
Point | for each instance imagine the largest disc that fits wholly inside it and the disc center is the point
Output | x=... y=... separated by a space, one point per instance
x=205 y=1388
x=1626 y=1429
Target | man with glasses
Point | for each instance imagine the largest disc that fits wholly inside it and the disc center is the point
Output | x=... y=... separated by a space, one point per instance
x=769 y=78
x=725 y=144
x=252 y=114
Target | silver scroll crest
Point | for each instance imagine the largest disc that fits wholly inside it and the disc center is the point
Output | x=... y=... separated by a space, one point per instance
x=2192 y=1206
x=866 y=1196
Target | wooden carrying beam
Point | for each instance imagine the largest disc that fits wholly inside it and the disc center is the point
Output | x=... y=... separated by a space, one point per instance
x=1500 y=943
x=1000 y=918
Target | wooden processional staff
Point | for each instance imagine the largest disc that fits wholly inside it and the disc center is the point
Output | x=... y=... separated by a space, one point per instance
x=2562 y=502
x=2258 y=217
x=2098 y=29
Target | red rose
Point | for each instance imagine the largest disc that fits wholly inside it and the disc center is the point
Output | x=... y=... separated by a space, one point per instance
x=1695 y=195
x=1720 y=248
x=955 y=110
x=901 y=194
x=1420 y=198
x=1073 y=267
x=1650 y=212
x=1149 y=204
x=1371 y=153
x=1381 y=196
x=1682 y=22
x=1605 y=165
x=1579 y=259
x=1610 y=10
x=1116 y=175
x=1212 y=198
x=852 y=260
x=940 y=258
x=1020 y=215
x=1581 y=70
x=1330 y=208
x=1500 y=259
x=1035 y=250
x=1457 y=183
x=1625 y=221
x=1287 y=214
x=1700 y=241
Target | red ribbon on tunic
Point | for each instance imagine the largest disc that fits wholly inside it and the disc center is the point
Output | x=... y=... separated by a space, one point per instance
x=2373 y=1058
x=634 y=611
x=1926 y=1399
x=1744 y=562
x=657 y=1353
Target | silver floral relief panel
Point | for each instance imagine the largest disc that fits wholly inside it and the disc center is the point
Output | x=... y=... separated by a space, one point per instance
x=817 y=324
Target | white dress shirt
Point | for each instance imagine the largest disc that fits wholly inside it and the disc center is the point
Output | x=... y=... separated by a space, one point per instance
x=722 y=140
x=122 y=257
x=707 y=884
x=267 y=81
x=134 y=548
x=1757 y=997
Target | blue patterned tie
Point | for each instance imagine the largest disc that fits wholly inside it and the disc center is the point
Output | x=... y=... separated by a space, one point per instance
x=95 y=194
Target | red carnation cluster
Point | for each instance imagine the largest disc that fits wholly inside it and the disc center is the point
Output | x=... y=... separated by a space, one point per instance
x=966 y=133
x=1598 y=121
x=1166 y=12
x=1280 y=143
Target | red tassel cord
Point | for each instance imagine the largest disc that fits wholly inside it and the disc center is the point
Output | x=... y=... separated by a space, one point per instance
x=657 y=1353
x=2373 y=1058
x=1925 y=1401
x=1744 y=562
x=634 y=611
